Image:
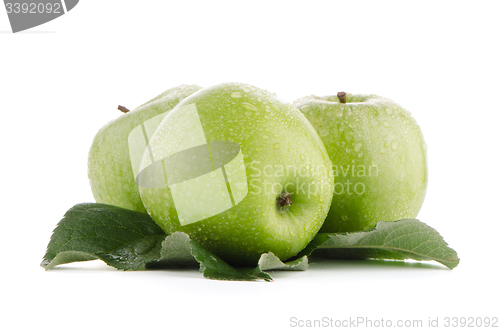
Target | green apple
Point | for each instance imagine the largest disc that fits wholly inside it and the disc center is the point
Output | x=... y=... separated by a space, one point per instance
x=239 y=171
x=378 y=155
x=109 y=164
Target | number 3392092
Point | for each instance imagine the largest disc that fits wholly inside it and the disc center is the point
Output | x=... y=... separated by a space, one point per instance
x=33 y=8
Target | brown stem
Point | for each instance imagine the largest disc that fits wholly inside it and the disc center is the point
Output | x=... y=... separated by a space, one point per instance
x=283 y=202
x=123 y=109
x=342 y=97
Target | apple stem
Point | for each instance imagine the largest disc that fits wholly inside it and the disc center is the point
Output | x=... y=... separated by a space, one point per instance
x=342 y=97
x=283 y=202
x=123 y=109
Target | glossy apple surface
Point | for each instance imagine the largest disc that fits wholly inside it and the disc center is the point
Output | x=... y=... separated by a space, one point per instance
x=378 y=155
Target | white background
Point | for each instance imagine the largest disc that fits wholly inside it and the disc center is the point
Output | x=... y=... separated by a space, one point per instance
x=60 y=82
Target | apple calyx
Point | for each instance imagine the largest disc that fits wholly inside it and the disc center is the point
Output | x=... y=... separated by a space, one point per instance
x=283 y=202
x=342 y=97
x=123 y=109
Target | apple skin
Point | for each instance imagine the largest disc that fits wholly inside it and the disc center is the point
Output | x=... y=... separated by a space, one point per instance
x=109 y=166
x=378 y=136
x=272 y=136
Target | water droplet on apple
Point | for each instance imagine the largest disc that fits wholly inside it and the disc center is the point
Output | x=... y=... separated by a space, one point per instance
x=247 y=89
x=358 y=146
x=265 y=137
x=275 y=135
x=386 y=124
x=302 y=157
x=276 y=146
x=360 y=154
x=344 y=217
x=249 y=106
x=394 y=145
x=236 y=95
x=382 y=150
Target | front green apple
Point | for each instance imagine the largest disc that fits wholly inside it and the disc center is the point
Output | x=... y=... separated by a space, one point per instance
x=109 y=164
x=240 y=172
x=378 y=155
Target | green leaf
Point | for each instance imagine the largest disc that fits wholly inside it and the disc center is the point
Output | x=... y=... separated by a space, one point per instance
x=214 y=267
x=269 y=261
x=175 y=252
x=130 y=240
x=120 y=237
x=178 y=250
x=398 y=240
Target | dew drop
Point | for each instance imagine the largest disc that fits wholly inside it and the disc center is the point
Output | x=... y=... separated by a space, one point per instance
x=386 y=124
x=394 y=145
x=236 y=95
x=302 y=157
x=275 y=135
x=276 y=146
x=382 y=150
x=358 y=146
x=265 y=137
x=249 y=106
x=247 y=89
